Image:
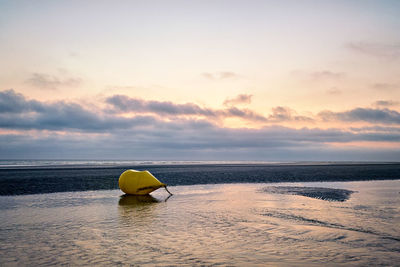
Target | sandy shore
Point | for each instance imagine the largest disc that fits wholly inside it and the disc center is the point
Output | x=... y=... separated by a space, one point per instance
x=229 y=224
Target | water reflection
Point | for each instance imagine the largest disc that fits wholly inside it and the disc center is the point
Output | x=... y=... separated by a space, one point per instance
x=138 y=210
x=133 y=201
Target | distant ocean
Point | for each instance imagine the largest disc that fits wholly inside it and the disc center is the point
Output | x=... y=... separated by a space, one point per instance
x=20 y=177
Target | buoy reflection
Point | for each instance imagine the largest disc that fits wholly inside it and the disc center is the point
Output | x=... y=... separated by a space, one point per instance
x=134 y=200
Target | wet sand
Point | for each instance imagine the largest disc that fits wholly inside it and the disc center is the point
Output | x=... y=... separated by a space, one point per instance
x=227 y=224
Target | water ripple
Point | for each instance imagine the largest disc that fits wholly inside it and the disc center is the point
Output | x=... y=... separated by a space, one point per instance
x=316 y=222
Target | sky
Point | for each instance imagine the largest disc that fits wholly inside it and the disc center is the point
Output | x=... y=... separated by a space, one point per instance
x=200 y=80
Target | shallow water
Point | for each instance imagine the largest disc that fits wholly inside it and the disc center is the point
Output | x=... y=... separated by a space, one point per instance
x=229 y=224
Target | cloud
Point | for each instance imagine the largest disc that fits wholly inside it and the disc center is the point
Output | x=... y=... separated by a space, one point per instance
x=317 y=76
x=16 y=112
x=376 y=129
x=50 y=82
x=389 y=51
x=380 y=116
x=20 y=113
x=334 y=91
x=122 y=103
x=385 y=86
x=280 y=114
x=386 y=103
x=43 y=129
x=198 y=140
x=71 y=117
x=243 y=113
x=223 y=75
x=326 y=75
x=239 y=99
x=13 y=102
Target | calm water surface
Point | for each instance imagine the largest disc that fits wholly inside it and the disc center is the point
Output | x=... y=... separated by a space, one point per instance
x=231 y=224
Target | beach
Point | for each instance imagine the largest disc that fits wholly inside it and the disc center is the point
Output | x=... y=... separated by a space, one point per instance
x=237 y=224
x=257 y=133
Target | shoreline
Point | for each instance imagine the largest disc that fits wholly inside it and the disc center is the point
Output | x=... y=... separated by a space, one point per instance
x=37 y=180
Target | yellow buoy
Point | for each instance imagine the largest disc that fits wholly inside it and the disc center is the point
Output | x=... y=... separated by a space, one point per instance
x=139 y=182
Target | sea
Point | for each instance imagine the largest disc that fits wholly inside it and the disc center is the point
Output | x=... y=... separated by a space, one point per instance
x=221 y=213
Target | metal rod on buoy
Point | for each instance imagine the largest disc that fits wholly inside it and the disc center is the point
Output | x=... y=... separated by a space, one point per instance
x=167 y=190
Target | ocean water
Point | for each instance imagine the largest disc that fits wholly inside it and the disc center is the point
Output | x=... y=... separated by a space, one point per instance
x=221 y=214
x=262 y=224
x=35 y=177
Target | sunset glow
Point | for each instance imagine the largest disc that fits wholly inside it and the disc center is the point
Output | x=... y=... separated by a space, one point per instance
x=206 y=80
